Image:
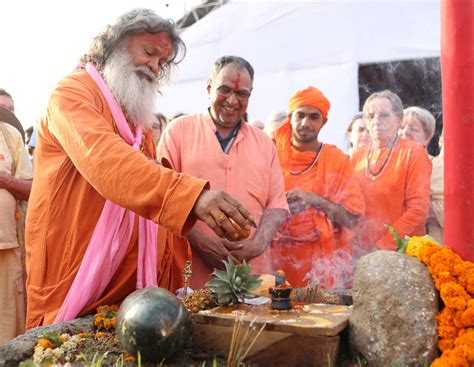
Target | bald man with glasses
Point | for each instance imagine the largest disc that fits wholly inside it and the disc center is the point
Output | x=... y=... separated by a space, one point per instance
x=218 y=145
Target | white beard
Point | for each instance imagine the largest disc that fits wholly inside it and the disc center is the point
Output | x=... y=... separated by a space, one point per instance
x=136 y=95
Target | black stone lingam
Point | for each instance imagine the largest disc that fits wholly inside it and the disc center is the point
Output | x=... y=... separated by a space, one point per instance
x=280 y=292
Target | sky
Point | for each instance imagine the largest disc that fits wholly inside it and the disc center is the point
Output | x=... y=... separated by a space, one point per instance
x=41 y=41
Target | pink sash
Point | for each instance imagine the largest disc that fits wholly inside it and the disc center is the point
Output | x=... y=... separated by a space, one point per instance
x=111 y=236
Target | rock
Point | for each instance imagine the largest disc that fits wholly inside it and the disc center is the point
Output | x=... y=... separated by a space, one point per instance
x=21 y=348
x=395 y=305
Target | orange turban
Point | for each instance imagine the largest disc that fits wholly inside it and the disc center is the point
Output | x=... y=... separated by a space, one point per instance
x=310 y=96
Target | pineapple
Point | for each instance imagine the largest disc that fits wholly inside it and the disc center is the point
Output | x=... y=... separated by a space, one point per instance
x=200 y=299
x=234 y=284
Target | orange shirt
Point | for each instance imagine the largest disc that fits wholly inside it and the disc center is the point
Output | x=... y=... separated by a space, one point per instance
x=79 y=162
x=251 y=171
x=308 y=245
x=399 y=196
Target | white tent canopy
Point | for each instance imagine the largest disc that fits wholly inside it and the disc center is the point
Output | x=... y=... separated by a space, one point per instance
x=293 y=44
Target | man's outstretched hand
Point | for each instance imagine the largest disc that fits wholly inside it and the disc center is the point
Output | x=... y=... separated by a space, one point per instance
x=215 y=207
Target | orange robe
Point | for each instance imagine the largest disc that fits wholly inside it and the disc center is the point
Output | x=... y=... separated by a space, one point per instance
x=79 y=162
x=308 y=245
x=399 y=196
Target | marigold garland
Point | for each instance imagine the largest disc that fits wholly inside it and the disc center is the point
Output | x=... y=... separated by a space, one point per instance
x=454 y=279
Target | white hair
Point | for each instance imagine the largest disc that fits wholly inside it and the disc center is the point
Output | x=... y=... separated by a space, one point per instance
x=136 y=96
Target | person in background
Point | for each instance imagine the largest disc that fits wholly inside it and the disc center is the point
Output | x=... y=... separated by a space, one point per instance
x=15 y=185
x=219 y=146
x=273 y=122
x=436 y=213
x=418 y=125
x=158 y=126
x=98 y=193
x=357 y=133
x=6 y=100
x=394 y=176
x=315 y=243
x=31 y=144
x=28 y=134
x=7 y=112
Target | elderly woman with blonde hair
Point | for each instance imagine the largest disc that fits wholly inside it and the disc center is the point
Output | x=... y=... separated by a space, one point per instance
x=418 y=125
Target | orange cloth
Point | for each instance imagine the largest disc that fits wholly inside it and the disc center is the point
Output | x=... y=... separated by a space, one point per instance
x=251 y=173
x=310 y=96
x=80 y=161
x=308 y=245
x=399 y=196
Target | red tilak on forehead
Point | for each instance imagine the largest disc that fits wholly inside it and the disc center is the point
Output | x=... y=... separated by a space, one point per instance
x=236 y=82
x=160 y=40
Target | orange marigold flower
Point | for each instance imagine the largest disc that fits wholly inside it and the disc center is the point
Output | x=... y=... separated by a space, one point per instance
x=425 y=253
x=466 y=343
x=465 y=274
x=444 y=260
x=439 y=363
x=454 y=296
x=114 y=308
x=458 y=319
x=442 y=278
x=446 y=328
x=45 y=343
x=445 y=344
x=467 y=317
x=99 y=335
x=453 y=358
x=416 y=243
x=447 y=331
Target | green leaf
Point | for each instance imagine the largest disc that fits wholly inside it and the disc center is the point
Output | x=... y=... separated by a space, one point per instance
x=220 y=274
x=213 y=283
x=229 y=266
x=400 y=243
x=221 y=289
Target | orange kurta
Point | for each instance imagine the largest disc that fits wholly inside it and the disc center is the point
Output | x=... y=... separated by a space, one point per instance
x=79 y=162
x=308 y=245
x=398 y=196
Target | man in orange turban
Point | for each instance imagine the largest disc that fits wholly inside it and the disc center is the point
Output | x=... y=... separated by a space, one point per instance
x=314 y=244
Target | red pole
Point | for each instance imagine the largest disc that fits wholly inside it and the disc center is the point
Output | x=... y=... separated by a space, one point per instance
x=457 y=72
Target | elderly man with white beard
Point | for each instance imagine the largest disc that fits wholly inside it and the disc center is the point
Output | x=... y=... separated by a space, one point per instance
x=98 y=193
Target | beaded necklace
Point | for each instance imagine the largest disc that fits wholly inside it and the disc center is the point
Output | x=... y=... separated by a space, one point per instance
x=371 y=174
x=312 y=164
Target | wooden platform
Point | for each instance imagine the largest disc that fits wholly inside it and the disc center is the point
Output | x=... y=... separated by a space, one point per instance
x=290 y=338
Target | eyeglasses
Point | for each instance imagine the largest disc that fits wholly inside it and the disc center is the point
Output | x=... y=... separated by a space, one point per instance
x=226 y=92
x=383 y=116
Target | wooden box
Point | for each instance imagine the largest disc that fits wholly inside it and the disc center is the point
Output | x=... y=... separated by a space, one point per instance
x=299 y=337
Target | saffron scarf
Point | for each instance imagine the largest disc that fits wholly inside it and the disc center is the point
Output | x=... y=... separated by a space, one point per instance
x=111 y=235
